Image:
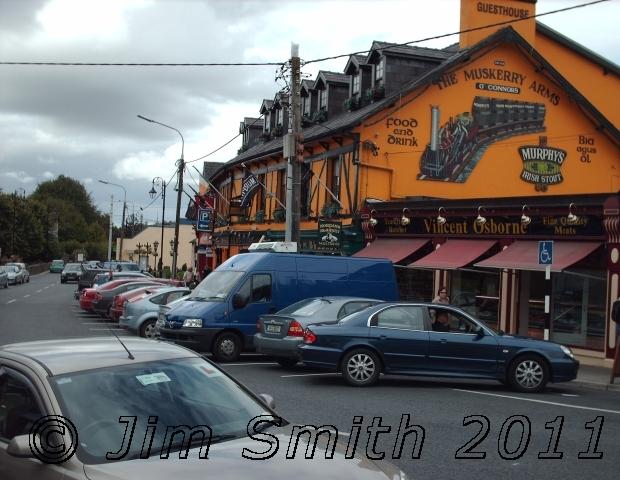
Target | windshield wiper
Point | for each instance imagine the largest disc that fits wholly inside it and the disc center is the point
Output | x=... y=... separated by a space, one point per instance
x=178 y=446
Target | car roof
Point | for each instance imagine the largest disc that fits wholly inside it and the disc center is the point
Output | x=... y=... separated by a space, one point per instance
x=77 y=354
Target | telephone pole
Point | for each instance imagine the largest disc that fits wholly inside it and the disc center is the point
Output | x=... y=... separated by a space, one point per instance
x=293 y=151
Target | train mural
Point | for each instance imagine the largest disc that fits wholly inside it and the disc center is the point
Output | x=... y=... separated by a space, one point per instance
x=463 y=139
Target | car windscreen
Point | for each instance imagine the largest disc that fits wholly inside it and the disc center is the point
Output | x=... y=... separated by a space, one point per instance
x=73 y=267
x=216 y=286
x=181 y=392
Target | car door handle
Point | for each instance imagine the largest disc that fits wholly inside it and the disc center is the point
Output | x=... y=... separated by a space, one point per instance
x=443 y=340
x=382 y=337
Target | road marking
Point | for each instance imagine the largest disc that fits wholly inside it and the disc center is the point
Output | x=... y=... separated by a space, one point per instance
x=239 y=364
x=307 y=375
x=39 y=291
x=11 y=301
x=26 y=296
x=45 y=288
x=106 y=329
x=569 y=395
x=580 y=407
x=99 y=323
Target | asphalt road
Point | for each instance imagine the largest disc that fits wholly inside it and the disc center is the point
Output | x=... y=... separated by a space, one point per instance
x=506 y=436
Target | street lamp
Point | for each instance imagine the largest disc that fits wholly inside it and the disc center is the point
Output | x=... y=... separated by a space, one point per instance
x=19 y=192
x=161 y=182
x=179 y=194
x=120 y=257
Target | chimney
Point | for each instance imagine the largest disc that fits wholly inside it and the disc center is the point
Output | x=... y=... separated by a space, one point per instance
x=475 y=14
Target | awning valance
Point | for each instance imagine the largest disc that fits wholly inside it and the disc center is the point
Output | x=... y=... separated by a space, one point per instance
x=394 y=249
x=455 y=254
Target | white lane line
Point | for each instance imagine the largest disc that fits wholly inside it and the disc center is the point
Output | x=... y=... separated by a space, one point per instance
x=107 y=329
x=11 y=301
x=569 y=395
x=45 y=288
x=579 y=407
x=240 y=364
x=39 y=291
x=99 y=323
x=26 y=296
x=307 y=375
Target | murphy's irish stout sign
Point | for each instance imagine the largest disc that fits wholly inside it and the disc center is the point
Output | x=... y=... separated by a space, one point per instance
x=542 y=165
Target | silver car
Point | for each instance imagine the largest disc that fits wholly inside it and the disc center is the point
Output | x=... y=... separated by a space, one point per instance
x=4 y=278
x=96 y=408
x=15 y=274
x=280 y=334
x=140 y=314
x=24 y=270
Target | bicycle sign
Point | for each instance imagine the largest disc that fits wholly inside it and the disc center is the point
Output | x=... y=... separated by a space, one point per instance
x=545 y=252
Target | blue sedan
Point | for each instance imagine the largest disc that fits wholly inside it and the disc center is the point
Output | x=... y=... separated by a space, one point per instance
x=432 y=340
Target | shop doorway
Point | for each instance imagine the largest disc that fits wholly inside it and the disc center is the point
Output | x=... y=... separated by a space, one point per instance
x=531 y=304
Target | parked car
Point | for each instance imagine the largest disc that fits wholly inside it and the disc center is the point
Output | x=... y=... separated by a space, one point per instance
x=15 y=274
x=72 y=271
x=140 y=314
x=107 y=276
x=23 y=268
x=105 y=296
x=121 y=266
x=116 y=310
x=430 y=340
x=280 y=334
x=4 y=278
x=87 y=277
x=57 y=266
x=221 y=313
x=88 y=382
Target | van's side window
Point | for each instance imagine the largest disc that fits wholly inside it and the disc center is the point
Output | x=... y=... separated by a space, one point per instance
x=256 y=289
x=261 y=288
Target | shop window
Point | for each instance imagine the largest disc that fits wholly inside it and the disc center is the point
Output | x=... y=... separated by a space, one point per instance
x=477 y=292
x=578 y=308
x=414 y=284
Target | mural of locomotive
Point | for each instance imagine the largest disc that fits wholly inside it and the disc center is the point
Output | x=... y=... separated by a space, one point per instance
x=465 y=137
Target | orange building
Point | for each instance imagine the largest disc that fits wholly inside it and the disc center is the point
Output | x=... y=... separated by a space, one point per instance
x=455 y=163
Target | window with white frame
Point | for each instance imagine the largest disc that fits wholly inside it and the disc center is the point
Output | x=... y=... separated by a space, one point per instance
x=379 y=69
x=323 y=98
x=306 y=105
x=356 y=83
x=279 y=116
x=267 y=119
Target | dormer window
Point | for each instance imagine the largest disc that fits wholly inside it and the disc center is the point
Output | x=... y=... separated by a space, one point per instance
x=306 y=105
x=323 y=98
x=280 y=116
x=266 y=123
x=379 y=70
x=356 y=83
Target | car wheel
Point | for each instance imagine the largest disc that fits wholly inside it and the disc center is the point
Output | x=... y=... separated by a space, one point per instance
x=148 y=330
x=361 y=368
x=227 y=347
x=286 y=362
x=528 y=373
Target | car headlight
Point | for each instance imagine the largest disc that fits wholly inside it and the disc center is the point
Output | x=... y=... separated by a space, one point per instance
x=567 y=351
x=192 y=322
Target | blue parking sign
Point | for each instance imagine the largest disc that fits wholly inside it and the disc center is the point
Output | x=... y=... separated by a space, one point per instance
x=545 y=252
x=203 y=223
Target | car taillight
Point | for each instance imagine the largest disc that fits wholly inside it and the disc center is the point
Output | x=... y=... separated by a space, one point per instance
x=295 y=329
x=309 y=337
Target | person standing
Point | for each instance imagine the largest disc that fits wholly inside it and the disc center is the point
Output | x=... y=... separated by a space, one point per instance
x=442 y=296
x=188 y=277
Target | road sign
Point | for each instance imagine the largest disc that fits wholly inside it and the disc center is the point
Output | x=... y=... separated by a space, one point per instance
x=545 y=252
x=205 y=216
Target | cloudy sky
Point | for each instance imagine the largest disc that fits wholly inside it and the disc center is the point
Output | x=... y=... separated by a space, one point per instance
x=81 y=121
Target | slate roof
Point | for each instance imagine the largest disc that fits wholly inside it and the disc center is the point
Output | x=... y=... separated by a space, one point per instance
x=332 y=77
x=407 y=50
x=209 y=169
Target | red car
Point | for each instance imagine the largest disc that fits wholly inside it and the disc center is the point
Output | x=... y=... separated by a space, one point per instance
x=119 y=300
x=87 y=295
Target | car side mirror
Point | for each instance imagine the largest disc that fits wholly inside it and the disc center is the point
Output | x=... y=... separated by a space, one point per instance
x=239 y=301
x=480 y=332
x=19 y=447
x=268 y=400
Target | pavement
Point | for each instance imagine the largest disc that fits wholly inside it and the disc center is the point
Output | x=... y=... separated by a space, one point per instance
x=596 y=377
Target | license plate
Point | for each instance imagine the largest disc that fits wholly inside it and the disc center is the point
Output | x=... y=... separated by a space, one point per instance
x=272 y=328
